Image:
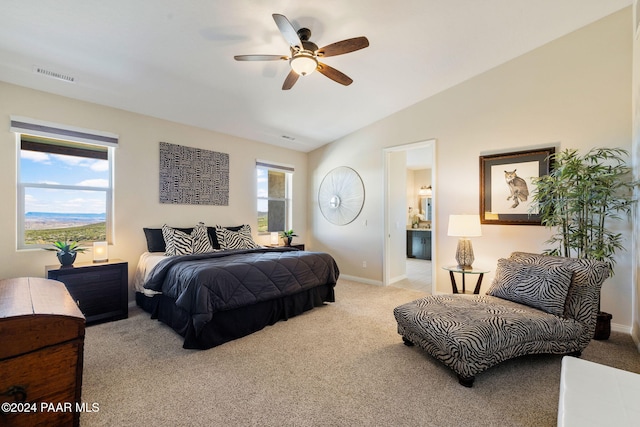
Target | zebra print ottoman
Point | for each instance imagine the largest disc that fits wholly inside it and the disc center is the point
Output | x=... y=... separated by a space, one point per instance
x=471 y=333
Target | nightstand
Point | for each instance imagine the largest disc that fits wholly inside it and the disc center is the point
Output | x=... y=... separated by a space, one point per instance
x=299 y=246
x=99 y=289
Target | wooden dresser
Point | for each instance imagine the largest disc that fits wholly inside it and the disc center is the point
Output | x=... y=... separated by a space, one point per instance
x=41 y=350
x=99 y=289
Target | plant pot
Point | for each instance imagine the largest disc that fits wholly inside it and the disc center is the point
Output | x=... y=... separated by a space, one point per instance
x=603 y=326
x=66 y=258
x=287 y=240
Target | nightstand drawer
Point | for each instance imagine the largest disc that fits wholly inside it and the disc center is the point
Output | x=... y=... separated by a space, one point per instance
x=93 y=277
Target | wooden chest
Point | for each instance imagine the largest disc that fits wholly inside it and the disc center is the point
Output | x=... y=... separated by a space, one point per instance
x=41 y=350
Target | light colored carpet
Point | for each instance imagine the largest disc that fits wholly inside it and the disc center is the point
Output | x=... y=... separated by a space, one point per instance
x=342 y=364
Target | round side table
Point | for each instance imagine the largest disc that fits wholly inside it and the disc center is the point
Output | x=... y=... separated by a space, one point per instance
x=464 y=271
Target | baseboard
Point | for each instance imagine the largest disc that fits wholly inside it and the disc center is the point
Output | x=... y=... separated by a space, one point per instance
x=635 y=335
x=361 y=280
x=625 y=329
x=397 y=279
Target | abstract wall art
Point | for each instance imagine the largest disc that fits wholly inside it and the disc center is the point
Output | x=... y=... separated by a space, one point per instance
x=193 y=176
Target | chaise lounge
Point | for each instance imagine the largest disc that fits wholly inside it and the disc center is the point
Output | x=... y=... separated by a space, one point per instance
x=536 y=304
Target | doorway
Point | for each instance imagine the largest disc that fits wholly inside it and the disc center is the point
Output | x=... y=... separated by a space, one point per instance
x=400 y=162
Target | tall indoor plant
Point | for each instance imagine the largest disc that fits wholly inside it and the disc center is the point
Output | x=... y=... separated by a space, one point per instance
x=578 y=199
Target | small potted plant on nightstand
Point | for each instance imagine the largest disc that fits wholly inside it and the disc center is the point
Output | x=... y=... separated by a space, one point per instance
x=66 y=251
x=287 y=237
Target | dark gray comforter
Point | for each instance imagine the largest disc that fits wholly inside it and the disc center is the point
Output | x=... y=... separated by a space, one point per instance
x=203 y=284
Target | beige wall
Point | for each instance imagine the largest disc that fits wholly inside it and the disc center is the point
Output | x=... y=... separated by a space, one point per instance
x=136 y=185
x=572 y=93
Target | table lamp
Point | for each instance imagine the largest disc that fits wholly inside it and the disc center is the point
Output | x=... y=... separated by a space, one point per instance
x=275 y=238
x=464 y=226
x=100 y=252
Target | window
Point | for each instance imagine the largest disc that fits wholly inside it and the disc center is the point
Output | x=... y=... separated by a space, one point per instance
x=274 y=196
x=64 y=183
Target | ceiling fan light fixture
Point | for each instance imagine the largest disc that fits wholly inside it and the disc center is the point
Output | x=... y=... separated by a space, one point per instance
x=303 y=63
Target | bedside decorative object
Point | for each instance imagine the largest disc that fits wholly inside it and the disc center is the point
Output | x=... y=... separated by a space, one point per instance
x=506 y=186
x=464 y=226
x=100 y=252
x=274 y=238
x=66 y=251
x=341 y=195
x=287 y=237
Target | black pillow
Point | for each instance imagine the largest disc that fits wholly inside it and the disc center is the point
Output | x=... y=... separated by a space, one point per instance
x=155 y=241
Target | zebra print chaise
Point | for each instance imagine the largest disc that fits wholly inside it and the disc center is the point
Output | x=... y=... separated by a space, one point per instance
x=536 y=304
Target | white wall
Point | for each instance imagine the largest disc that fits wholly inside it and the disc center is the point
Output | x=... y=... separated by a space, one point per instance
x=574 y=92
x=136 y=186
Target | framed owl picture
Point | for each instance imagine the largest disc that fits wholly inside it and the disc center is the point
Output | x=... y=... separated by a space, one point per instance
x=507 y=186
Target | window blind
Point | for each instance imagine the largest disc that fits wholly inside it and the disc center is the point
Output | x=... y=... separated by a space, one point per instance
x=275 y=166
x=35 y=127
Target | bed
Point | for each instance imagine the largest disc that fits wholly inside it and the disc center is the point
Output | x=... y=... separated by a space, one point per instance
x=213 y=297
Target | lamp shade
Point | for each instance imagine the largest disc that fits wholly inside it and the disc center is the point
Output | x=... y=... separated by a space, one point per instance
x=303 y=63
x=100 y=252
x=464 y=226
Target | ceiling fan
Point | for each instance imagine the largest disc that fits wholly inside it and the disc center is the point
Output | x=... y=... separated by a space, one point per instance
x=304 y=53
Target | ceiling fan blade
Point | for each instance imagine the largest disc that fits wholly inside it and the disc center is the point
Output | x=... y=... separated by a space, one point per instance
x=333 y=74
x=259 y=57
x=344 y=46
x=288 y=32
x=291 y=79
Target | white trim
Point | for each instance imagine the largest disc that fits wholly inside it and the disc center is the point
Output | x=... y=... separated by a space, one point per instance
x=397 y=279
x=29 y=126
x=616 y=327
x=20 y=194
x=361 y=280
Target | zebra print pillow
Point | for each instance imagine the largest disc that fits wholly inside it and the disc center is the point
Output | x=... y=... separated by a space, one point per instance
x=538 y=286
x=176 y=241
x=201 y=242
x=240 y=239
x=180 y=243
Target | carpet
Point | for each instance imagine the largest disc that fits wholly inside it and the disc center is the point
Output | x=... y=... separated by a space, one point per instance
x=342 y=364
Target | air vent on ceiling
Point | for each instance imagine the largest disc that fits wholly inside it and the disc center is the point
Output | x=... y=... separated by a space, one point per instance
x=53 y=74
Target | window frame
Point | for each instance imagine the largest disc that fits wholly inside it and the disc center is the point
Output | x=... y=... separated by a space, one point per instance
x=60 y=148
x=288 y=192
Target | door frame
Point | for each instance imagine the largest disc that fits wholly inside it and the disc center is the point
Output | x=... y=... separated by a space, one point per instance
x=386 y=269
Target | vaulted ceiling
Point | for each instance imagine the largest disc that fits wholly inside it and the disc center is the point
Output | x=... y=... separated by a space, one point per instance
x=173 y=59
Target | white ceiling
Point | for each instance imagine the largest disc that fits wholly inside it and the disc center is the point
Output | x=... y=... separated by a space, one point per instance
x=173 y=59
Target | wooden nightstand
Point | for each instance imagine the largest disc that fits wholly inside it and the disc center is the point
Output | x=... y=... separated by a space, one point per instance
x=99 y=289
x=298 y=246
